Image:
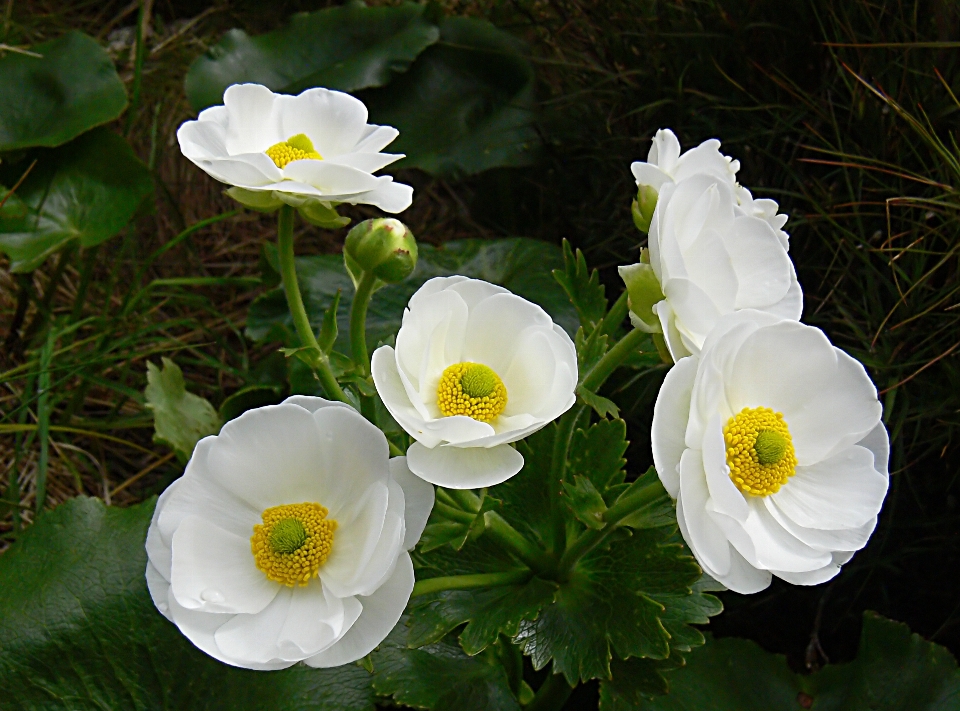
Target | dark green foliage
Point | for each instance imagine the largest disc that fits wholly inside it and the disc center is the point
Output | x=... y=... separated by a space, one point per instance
x=78 y=631
x=597 y=453
x=82 y=193
x=894 y=671
x=346 y=48
x=466 y=104
x=439 y=676
x=634 y=681
x=582 y=286
x=518 y=264
x=56 y=91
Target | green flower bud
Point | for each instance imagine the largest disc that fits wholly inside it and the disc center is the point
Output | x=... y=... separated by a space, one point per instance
x=383 y=246
x=643 y=207
x=643 y=291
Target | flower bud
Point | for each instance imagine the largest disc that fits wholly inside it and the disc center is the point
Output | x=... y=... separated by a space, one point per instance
x=383 y=246
x=643 y=207
x=643 y=291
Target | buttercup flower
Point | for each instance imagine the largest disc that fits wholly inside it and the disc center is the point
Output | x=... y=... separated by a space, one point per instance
x=286 y=539
x=313 y=148
x=665 y=164
x=771 y=443
x=475 y=368
x=707 y=258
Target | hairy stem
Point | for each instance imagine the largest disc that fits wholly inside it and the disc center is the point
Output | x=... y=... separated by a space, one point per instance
x=508 y=537
x=613 y=358
x=358 y=322
x=288 y=271
x=552 y=694
x=470 y=582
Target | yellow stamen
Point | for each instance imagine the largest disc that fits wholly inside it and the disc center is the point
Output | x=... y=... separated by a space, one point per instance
x=293 y=542
x=759 y=451
x=471 y=389
x=294 y=148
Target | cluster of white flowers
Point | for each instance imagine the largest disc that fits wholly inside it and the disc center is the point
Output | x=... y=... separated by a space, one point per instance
x=287 y=537
x=768 y=437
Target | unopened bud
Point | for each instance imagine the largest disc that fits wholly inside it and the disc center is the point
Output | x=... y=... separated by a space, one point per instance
x=643 y=207
x=643 y=292
x=383 y=246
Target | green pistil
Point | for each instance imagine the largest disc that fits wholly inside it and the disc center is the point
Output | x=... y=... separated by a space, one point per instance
x=478 y=380
x=288 y=536
x=770 y=447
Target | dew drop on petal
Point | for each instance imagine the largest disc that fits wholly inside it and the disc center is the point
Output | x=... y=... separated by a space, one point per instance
x=211 y=595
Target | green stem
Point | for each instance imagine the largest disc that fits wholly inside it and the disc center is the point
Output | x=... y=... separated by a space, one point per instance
x=358 y=322
x=552 y=694
x=453 y=513
x=613 y=358
x=469 y=582
x=558 y=465
x=465 y=499
x=591 y=538
x=508 y=537
x=291 y=288
x=615 y=315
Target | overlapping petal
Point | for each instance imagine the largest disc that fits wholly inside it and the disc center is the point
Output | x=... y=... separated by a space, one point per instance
x=230 y=142
x=203 y=576
x=453 y=320
x=826 y=510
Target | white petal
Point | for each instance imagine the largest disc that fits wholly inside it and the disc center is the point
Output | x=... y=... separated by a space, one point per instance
x=725 y=497
x=530 y=376
x=202 y=139
x=330 y=178
x=248 y=170
x=762 y=265
x=706 y=159
x=333 y=121
x=298 y=623
x=418 y=497
x=381 y=612
x=458 y=429
x=389 y=386
x=366 y=162
x=813 y=577
x=648 y=174
x=384 y=558
x=214 y=571
x=668 y=322
x=693 y=307
x=664 y=150
x=703 y=535
x=389 y=196
x=670 y=423
x=431 y=338
x=355 y=541
x=791 y=305
x=842 y=539
x=494 y=327
x=375 y=138
x=464 y=468
x=844 y=491
x=253 y=125
x=311 y=403
x=159 y=589
x=878 y=442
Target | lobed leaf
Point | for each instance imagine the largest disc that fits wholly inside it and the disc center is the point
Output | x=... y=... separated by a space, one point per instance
x=180 y=418
x=583 y=287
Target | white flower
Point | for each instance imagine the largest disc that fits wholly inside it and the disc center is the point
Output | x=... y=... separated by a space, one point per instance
x=279 y=149
x=771 y=443
x=709 y=259
x=286 y=538
x=665 y=164
x=475 y=368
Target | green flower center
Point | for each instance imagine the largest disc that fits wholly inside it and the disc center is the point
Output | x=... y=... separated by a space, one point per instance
x=770 y=447
x=471 y=389
x=288 y=536
x=294 y=148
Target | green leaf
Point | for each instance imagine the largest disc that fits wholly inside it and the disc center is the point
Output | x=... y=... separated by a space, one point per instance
x=329 y=329
x=50 y=99
x=440 y=676
x=466 y=104
x=589 y=349
x=894 y=670
x=634 y=681
x=608 y=606
x=180 y=419
x=86 y=191
x=583 y=287
x=78 y=631
x=659 y=512
x=601 y=405
x=346 y=48
x=518 y=264
x=585 y=502
x=596 y=453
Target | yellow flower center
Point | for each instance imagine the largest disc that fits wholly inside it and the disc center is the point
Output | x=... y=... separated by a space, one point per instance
x=759 y=451
x=294 y=148
x=293 y=542
x=471 y=389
